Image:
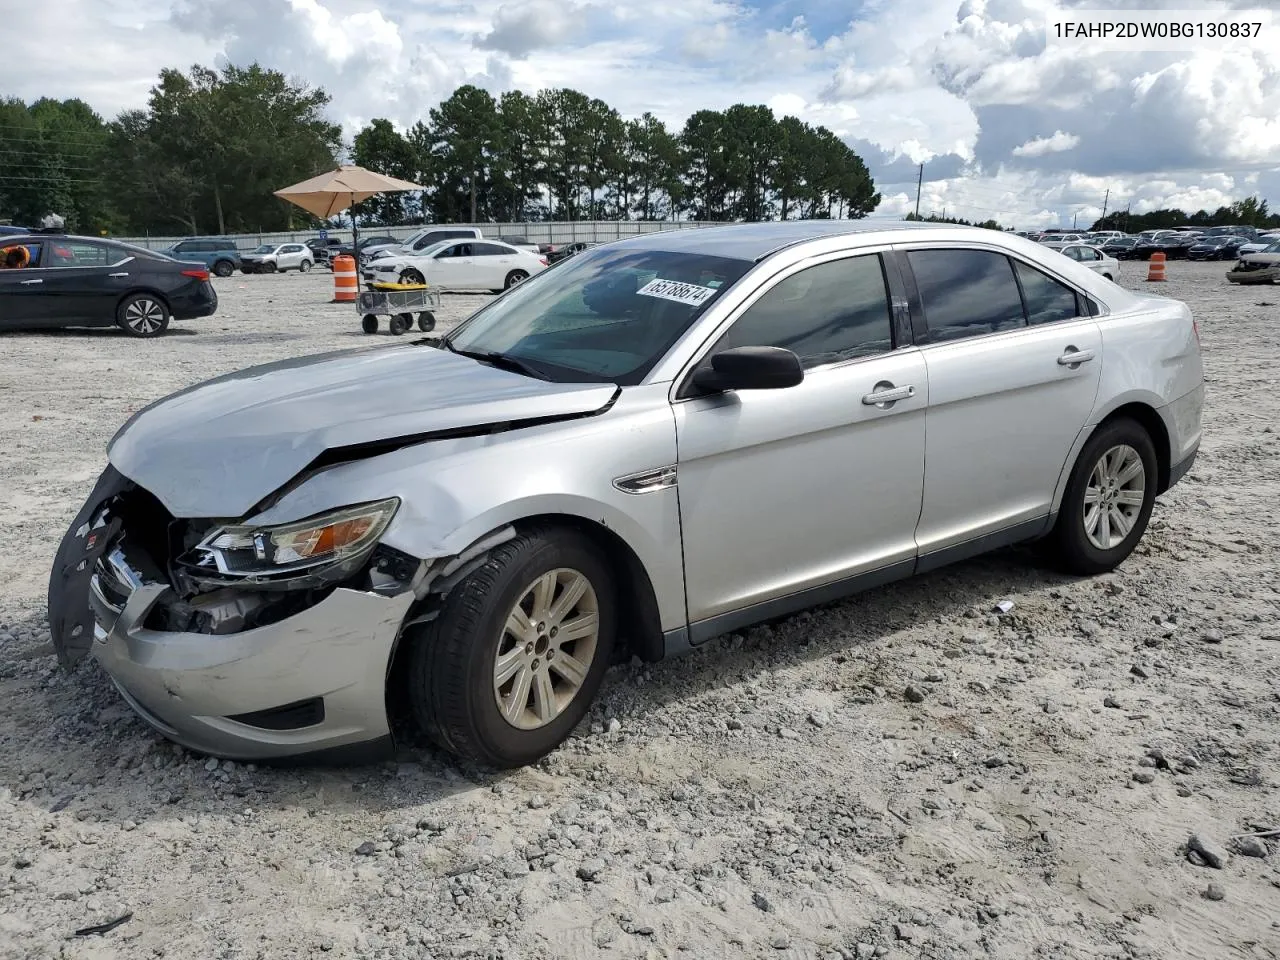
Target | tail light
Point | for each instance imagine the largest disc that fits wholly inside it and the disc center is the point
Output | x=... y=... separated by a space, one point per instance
x=543 y=261
x=198 y=274
x=1195 y=327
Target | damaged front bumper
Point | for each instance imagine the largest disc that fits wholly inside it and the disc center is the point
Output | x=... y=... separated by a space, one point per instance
x=310 y=683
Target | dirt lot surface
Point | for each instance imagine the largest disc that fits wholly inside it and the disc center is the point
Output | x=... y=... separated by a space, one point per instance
x=907 y=774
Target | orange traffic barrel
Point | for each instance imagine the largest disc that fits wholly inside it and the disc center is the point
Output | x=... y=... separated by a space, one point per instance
x=345 y=285
x=1156 y=271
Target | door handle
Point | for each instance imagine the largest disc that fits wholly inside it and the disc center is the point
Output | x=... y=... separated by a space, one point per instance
x=28 y=282
x=887 y=393
x=1073 y=358
x=124 y=273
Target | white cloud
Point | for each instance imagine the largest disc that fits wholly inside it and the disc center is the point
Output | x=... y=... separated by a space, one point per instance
x=966 y=86
x=1056 y=143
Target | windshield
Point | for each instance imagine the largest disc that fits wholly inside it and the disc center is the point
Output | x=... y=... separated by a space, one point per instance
x=265 y=248
x=605 y=315
x=1272 y=247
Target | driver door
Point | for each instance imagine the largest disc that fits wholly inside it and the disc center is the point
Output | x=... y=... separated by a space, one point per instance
x=794 y=495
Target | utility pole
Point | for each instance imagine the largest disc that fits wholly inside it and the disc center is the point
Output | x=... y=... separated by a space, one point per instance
x=1104 y=203
x=919 y=181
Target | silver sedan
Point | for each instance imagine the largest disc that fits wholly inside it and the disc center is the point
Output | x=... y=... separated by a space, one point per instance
x=660 y=440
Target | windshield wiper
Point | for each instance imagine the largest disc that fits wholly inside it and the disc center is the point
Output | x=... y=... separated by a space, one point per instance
x=500 y=360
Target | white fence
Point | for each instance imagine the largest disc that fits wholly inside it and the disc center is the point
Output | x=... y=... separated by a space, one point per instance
x=595 y=231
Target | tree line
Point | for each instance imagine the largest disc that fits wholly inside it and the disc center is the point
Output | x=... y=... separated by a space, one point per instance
x=1249 y=212
x=211 y=146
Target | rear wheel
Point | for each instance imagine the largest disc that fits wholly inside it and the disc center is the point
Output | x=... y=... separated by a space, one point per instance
x=143 y=315
x=304 y=266
x=1108 y=500
x=510 y=666
x=223 y=268
x=514 y=277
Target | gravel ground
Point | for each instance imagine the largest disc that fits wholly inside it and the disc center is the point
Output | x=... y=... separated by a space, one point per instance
x=907 y=774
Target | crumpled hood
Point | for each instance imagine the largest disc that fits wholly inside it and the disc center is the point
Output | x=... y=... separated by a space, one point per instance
x=218 y=448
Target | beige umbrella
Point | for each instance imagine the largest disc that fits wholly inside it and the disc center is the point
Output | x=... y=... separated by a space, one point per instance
x=335 y=191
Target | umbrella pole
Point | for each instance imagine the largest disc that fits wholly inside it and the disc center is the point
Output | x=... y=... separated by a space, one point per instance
x=355 y=237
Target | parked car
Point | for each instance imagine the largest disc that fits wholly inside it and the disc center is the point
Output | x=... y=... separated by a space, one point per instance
x=219 y=254
x=1062 y=238
x=366 y=244
x=568 y=250
x=1219 y=247
x=1174 y=244
x=324 y=250
x=277 y=258
x=1122 y=248
x=1091 y=257
x=1260 y=267
x=76 y=281
x=1257 y=246
x=1238 y=230
x=460 y=265
x=642 y=449
x=417 y=242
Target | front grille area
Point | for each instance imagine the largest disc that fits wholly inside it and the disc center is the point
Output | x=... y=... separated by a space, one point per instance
x=291 y=716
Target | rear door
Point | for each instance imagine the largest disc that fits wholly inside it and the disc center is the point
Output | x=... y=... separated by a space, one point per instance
x=493 y=261
x=1013 y=362
x=76 y=286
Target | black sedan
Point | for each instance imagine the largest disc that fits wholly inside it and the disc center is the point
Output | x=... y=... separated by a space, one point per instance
x=567 y=251
x=1122 y=248
x=1217 y=248
x=69 y=281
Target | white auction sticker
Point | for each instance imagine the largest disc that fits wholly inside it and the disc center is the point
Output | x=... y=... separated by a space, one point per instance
x=689 y=293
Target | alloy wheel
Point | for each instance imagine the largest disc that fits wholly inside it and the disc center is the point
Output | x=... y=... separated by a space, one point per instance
x=144 y=316
x=546 y=649
x=1114 y=496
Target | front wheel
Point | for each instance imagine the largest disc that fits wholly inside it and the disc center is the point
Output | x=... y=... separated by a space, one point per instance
x=510 y=666
x=223 y=268
x=514 y=277
x=142 y=315
x=1108 y=500
x=411 y=276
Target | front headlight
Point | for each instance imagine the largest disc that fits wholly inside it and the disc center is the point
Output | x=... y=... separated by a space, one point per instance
x=339 y=540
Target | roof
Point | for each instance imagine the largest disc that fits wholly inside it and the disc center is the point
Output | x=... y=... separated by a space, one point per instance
x=755 y=241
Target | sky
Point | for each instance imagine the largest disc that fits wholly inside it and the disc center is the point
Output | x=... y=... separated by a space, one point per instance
x=1007 y=126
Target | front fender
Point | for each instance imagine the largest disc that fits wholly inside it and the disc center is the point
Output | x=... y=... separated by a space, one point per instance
x=454 y=492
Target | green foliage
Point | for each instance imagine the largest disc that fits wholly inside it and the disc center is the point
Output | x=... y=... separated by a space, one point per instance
x=205 y=155
x=212 y=145
x=1249 y=212
x=935 y=218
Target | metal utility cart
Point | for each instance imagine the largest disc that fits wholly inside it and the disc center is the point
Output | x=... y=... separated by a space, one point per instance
x=400 y=302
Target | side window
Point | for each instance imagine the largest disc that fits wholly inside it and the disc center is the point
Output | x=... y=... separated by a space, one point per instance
x=76 y=253
x=1048 y=301
x=966 y=293
x=827 y=313
x=489 y=250
x=462 y=250
x=207 y=246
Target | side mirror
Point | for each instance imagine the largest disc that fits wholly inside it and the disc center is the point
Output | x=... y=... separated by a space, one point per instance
x=750 y=368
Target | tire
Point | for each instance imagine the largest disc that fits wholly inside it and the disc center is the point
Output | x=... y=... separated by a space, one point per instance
x=369 y=323
x=223 y=268
x=1110 y=277
x=514 y=277
x=400 y=323
x=454 y=690
x=143 y=315
x=1113 y=448
x=304 y=266
x=426 y=321
x=411 y=276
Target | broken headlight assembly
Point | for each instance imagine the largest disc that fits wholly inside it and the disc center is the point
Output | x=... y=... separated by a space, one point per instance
x=299 y=555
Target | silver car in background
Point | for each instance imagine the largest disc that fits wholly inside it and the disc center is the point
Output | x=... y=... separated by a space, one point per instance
x=660 y=440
